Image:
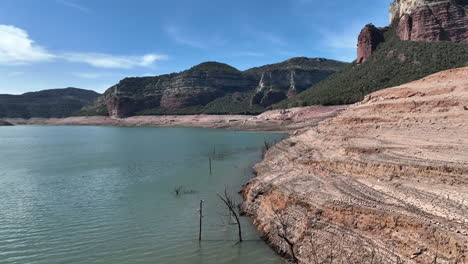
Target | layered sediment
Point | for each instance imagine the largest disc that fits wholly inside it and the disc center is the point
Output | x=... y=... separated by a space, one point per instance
x=288 y=120
x=385 y=181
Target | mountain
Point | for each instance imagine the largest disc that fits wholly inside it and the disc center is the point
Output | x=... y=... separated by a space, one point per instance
x=285 y=79
x=47 y=103
x=212 y=88
x=387 y=57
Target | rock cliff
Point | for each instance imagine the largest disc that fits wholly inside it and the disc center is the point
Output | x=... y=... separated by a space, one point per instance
x=196 y=86
x=424 y=20
x=368 y=40
x=383 y=182
x=213 y=87
x=282 y=80
x=419 y=20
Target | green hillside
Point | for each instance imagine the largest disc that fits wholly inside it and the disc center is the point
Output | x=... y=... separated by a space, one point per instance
x=395 y=62
x=47 y=103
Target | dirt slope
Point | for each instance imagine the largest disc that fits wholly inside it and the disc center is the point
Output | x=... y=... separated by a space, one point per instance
x=386 y=181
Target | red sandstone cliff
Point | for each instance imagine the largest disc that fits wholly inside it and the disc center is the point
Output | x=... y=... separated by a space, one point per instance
x=435 y=21
x=368 y=40
x=419 y=20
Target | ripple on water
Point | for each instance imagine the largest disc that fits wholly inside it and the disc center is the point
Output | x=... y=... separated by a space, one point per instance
x=104 y=195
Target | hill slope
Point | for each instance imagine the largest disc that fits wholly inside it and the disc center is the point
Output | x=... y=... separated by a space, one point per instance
x=376 y=184
x=212 y=88
x=48 y=103
x=393 y=63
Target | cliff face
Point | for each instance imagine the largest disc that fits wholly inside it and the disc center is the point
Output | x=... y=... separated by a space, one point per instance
x=423 y=20
x=214 y=85
x=368 y=40
x=383 y=182
x=419 y=20
x=280 y=81
x=196 y=86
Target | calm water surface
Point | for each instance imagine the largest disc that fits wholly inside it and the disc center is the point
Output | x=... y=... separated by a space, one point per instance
x=105 y=195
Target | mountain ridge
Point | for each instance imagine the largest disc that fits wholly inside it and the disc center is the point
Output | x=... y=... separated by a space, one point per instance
x=59 y=102
x=212 y=88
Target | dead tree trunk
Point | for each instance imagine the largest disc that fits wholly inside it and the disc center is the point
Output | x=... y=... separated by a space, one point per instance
x=232 y=207
x=201 y=216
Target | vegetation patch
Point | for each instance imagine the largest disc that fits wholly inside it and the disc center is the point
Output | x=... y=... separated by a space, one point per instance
x=395 y=62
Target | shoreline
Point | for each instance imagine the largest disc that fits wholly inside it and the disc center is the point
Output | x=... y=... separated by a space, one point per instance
x=284 y=121
x=383 y=182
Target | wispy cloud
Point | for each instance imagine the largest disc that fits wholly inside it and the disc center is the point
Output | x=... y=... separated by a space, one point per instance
x=86 y=75
x=101 y=60
x=342 y=43
x=264 y=36
x=250 y=54
x=72 y=4
x=272 y=38
x=176 y=34
x=341 y=40
x=16 y=48
x=183 y=37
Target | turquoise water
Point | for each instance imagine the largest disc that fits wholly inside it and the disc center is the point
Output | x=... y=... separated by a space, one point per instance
x=105 y=195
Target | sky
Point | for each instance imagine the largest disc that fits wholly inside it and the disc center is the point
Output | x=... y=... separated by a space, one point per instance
x=92 y=44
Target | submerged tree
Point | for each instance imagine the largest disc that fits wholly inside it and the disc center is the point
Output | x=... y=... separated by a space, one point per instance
x=233 y=209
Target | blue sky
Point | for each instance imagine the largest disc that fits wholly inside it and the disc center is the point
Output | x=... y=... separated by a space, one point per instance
x=92 y=44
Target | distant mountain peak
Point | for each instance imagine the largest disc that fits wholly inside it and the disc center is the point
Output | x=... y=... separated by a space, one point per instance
x=212 y=66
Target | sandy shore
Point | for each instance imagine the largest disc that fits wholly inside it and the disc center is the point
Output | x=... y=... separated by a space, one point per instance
x=275 y=121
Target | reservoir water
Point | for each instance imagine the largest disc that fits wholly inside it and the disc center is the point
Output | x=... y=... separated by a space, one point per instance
x=106 y=195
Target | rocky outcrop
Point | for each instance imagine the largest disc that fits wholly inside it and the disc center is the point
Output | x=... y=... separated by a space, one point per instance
x=196 y=86
x=383 y=182
x=289 y=78
x=368 y=40
x=424 y=20
x=419 y=20
x=211 y=81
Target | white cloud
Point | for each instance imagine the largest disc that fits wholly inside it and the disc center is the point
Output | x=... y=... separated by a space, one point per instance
x=101 y=60
x=74 y=5
x=16 y=48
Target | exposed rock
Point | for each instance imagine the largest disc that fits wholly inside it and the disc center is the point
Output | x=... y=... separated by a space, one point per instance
x=294 y=119
x=383 y=182
x=368 y=40
x=213 y=82
x=196 y=86
x=292 y=77
x=424 y=20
